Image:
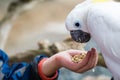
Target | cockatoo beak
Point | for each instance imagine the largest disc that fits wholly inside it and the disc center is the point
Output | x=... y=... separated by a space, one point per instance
x=80 y=36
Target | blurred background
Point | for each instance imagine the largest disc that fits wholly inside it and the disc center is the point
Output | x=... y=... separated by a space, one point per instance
x=46 y=20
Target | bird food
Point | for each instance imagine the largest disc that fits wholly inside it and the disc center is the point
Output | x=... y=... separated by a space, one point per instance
x=78 y=58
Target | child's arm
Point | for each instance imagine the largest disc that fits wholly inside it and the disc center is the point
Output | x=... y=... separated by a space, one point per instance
x=43 y=68
x=49 y=67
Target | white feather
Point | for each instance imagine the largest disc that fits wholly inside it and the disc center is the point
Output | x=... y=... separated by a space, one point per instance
x=104 y=26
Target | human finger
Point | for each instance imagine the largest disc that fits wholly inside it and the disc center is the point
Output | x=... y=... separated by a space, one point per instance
x=92 y=61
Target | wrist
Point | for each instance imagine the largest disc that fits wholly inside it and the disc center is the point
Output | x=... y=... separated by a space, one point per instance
x=56 y=60
x=42 y=71
x=50 y=66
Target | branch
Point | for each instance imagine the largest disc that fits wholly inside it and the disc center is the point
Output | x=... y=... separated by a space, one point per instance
x=46 y=48
x=101 y=61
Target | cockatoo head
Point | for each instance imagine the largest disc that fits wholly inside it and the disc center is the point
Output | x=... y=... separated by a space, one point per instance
x=76 y=23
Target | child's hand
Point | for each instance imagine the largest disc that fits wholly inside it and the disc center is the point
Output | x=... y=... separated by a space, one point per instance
x=64 y=60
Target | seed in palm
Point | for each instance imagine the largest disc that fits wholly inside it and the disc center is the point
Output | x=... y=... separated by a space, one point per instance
x=78 y=58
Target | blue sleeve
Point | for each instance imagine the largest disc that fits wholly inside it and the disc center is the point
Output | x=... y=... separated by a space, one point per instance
x=16 y=71
x=19 y=71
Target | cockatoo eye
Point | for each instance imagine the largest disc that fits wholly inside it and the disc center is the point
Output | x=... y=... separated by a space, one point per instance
x=77 y=24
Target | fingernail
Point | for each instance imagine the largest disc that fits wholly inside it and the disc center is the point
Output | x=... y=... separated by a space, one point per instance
x=93 y=49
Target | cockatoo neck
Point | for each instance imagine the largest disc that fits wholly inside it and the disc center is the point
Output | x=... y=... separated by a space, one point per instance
x=87 y=6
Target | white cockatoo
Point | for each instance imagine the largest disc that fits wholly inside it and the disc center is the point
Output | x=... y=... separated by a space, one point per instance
x=100 y=21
